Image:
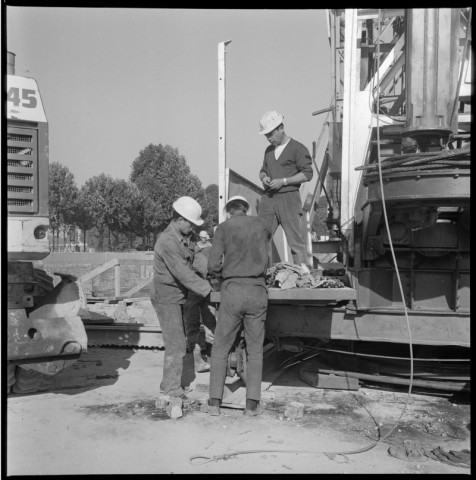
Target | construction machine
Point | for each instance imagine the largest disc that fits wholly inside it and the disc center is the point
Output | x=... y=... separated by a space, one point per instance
x=393 y=159
x=45 y=333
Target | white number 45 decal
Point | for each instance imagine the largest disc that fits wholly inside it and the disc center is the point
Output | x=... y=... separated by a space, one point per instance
x=27 y=100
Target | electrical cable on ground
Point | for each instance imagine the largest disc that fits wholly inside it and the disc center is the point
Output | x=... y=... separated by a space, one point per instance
x=201 y=459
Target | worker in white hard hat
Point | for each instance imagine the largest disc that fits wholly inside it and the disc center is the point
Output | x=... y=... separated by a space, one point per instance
x=204 y=240
x=239 y=259
x=173 y=278
x=287 y=164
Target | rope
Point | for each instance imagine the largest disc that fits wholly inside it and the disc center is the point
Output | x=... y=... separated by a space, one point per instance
x=412 y=158
x=454 y=159
x=415 y=169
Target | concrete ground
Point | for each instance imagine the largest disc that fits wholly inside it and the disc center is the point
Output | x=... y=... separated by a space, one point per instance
x=101 y=418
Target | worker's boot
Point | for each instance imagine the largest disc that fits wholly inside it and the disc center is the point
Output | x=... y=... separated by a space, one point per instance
x=200 y=364
x=252 y=408
x=212 y=407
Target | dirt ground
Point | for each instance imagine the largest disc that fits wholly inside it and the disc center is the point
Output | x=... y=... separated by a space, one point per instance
x=101 y=419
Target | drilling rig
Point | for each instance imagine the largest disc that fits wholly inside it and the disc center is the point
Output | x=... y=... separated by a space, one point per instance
x=393 y=159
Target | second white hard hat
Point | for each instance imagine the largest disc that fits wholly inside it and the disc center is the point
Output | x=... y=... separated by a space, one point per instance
x=204 y=234
x=238 y=197
x=189 y=208
x=269 y=121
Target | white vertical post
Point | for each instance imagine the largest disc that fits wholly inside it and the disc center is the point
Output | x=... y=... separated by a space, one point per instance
x=222 y=180
x=310 y=258
x=117 y=280
x=351 y=73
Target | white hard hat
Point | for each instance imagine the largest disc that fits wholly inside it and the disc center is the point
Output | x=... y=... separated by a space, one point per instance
x=238 y=197
x=188 y=208
x=269 y=121
x=203 y=233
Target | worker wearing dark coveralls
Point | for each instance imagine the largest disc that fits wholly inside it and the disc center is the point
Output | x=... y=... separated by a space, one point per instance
x=239 y=257
x=287 y=163
x=173 y=277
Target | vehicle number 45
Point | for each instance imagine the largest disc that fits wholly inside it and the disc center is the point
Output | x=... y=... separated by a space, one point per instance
x=27 y=98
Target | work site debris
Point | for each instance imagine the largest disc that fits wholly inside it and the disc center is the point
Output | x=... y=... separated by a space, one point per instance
x=461 y=458
x=174 y=408
x=412 y=451
x=294 y=410
x=162 y=401
x=172 y=405
x=287 y=275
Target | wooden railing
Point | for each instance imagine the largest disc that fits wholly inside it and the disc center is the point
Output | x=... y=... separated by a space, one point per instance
x=116 y=263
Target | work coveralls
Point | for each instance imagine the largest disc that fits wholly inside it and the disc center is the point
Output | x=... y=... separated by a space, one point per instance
x=173 y=277
x=243 y=242
x=284 y=207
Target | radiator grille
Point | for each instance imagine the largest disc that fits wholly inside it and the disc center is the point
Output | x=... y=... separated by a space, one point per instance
x=22 y=177
x=19 y=202
x=22 y=170
x=16 y=137
x=20 y=189
x=20 y=163
x=20 y=150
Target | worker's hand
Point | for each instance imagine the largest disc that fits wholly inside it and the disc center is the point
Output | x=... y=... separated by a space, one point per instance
x=266 y=181
x=276 y=184
x=215 y=283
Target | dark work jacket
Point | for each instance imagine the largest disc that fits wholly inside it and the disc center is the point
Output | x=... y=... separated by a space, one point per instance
x=240 y=249
x=173 y=273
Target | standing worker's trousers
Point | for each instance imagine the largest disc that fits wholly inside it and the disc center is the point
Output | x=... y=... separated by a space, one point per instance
x=171 y=322
x=244 y=301
x=285 y=209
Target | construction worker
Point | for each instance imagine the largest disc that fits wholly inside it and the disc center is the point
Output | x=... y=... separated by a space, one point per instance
x=287 y=163
x=204 y=240
x=173 y=277
x=239 y=258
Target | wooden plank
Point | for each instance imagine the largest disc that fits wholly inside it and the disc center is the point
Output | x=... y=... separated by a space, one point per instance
x=139 y=287
x=303 y=295
x=322 y=380
x=311 y=294
x=97 y=271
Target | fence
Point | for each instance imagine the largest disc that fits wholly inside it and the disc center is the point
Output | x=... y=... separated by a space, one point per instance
x=106 y=274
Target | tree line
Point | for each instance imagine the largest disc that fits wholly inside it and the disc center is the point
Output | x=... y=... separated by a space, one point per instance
x=116 y=214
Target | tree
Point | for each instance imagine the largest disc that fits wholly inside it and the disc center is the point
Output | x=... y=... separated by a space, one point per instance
x=118 y=214
x=97 y=193
x=210 y=208
x=162 y=175
x=62 y=196
x=83 y=217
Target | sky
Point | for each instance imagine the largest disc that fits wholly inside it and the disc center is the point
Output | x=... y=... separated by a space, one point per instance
x=114 y=80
